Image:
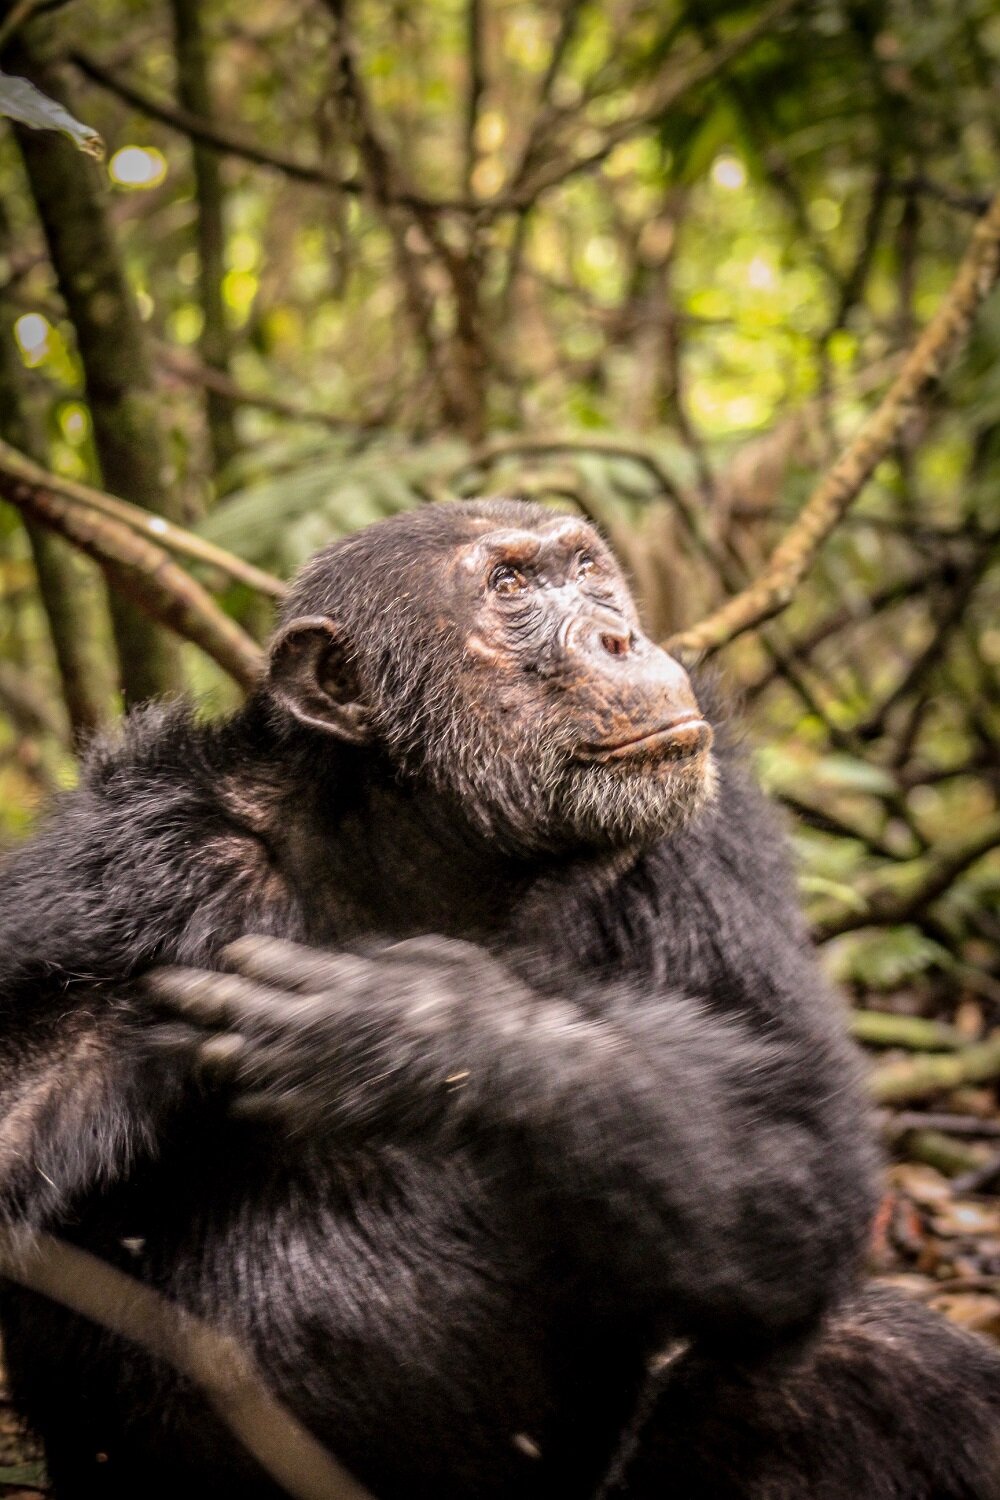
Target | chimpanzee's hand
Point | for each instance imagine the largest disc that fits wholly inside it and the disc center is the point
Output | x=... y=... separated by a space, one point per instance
x=314 y=1038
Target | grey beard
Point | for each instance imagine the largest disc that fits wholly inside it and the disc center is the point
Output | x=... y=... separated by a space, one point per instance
x=541 y=801
x=619 y=807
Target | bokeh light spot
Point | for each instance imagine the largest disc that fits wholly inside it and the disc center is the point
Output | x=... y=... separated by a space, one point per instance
x=33 y=332
x=138 y=167
x=729 y=172
x=74 y=422
x=760 y=275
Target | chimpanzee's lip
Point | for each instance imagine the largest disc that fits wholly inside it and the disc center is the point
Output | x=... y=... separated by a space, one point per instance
x=680 y=740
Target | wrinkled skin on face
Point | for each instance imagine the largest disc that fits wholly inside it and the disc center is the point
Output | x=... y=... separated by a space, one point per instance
x=512 y=676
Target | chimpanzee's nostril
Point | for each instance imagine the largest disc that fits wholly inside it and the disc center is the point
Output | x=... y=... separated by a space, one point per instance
x=615 y=645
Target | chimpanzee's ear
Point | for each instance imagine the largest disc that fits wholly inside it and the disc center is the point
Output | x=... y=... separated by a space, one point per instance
x=310 y=675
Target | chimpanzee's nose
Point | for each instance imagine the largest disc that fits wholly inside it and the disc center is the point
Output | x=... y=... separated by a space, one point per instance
x=616 y=642
x=600 y=632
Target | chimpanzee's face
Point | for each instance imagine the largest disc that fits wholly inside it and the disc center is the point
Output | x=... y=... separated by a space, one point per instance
x=598 y=727
x=498 y=659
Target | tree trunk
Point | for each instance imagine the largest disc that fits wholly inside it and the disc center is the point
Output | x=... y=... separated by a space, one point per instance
x=69 y=586
x=69 y=196
x=195 y=95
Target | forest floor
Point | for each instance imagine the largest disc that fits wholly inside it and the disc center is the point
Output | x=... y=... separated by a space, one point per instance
x=941 y=1246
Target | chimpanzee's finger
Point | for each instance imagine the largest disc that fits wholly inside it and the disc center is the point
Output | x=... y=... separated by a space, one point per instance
x=431 y=950
x=222 y=1057
x=175 y=1038
x=216 y=1000
x=291 y=966
x=262 y=1105
x=213 y=1057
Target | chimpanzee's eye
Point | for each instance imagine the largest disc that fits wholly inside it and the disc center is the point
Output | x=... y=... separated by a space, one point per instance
x=585 y=564
x=506 y=580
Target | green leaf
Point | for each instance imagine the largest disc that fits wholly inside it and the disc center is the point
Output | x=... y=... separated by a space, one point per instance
x=21 y=101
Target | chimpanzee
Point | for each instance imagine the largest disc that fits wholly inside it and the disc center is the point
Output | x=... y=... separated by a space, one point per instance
x=541 y=1171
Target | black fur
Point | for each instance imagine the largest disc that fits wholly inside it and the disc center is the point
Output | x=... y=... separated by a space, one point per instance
x=512 y=1169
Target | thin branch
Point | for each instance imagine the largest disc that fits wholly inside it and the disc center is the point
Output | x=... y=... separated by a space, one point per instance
x=19 y=14
x=850 y=616
x=922 y=370
x=948 y=620
x=213 y=1360
x=825 y=821
x=231 y=141
x=143 y=572
x=16 y=470
x=193 y=371
x=459 y=371
x=544 y=115
x=224 y=138
x=964 y=203
x=946 y=1124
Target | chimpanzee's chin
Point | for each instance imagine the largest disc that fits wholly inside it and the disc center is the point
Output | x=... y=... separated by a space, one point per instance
x=634 y=806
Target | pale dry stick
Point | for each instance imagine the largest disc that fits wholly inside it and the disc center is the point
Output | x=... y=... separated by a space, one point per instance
x=16 y=469
x=215 y=1361
x=924 y=366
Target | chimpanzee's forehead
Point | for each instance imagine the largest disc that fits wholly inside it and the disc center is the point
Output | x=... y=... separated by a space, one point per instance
x=360 y=571
x=518 y=539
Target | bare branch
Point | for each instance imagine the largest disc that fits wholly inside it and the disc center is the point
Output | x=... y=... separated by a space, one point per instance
x=545 y=116
x=144 y=573
x=231 y=141
x=16 y=469
x=476 y=86
x=222 y=138
x=923 y=368
x=850 y=616
x=459 y=378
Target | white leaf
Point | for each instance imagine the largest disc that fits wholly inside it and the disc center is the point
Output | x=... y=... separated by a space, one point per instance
x=21 y=101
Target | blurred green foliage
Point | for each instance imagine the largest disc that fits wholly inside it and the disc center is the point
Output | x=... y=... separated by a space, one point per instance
x=725 y=290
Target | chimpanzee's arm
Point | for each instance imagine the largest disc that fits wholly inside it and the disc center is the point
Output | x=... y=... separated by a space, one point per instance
x=138 y=868
x=706 y=1175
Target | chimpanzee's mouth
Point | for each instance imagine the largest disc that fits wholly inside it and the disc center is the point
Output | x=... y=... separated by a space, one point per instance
x=681 y=741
